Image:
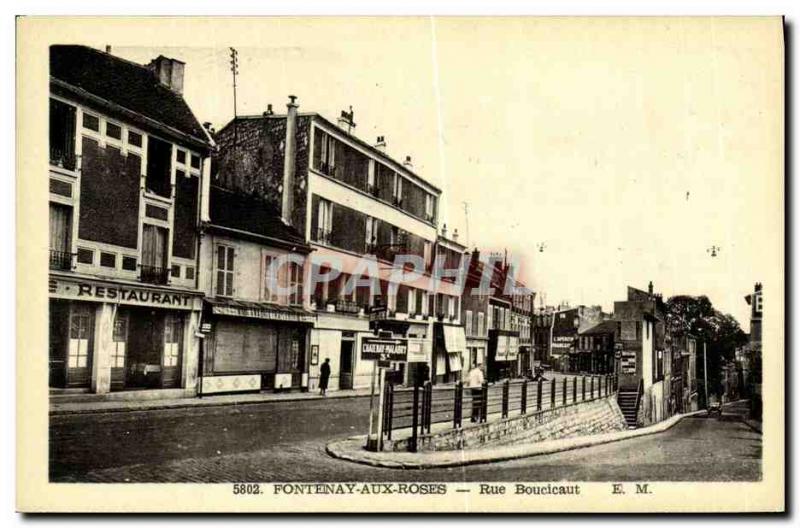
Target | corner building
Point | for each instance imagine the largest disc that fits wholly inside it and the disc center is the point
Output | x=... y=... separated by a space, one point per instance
x=127 y=165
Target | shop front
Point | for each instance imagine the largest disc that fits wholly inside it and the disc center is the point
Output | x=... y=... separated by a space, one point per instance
x=113 y=336
x=503 y=355
x=254 y=346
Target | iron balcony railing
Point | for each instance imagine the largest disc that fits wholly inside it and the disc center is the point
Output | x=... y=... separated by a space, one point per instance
x=153 y=274
x=61 y=157
x=60 y=260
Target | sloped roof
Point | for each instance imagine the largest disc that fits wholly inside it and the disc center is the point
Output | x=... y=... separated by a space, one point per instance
x=605 y=327
x=124 y=83
x=249 y=214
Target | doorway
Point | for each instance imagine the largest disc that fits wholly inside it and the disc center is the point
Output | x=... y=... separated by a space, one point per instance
x=154 y=349
x=346 y=364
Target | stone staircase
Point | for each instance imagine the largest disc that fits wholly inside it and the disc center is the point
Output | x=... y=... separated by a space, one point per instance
x=628 y=401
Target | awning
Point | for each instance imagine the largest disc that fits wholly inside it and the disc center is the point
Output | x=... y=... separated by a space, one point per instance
x=260 y=310
x=454 y=360
x=455 y=341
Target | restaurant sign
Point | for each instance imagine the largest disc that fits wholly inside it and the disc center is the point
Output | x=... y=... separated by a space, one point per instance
x=121 y=294
x=384 y=349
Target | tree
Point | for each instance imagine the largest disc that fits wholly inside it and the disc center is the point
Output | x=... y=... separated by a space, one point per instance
x=721 y=333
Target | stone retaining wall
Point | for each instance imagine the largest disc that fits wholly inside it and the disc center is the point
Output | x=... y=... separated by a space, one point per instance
x=584 y=418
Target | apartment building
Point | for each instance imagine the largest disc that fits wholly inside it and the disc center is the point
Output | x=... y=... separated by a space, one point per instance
x=128 y=160
x=358 y=209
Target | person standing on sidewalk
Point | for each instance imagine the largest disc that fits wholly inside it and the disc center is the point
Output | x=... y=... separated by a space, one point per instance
x=324 y=375
x=475 y=382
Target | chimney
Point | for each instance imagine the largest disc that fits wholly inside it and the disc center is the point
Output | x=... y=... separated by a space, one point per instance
x=169 y=72
x=380 y=144
x=407 y=163
x=268 y=111
x=287 y=198
x=455 y=235
x=650 y=288
x=108 y=49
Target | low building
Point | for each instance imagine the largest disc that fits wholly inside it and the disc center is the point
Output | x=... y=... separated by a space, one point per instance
x=596 y=348
x=257 y=314
x=641 y=365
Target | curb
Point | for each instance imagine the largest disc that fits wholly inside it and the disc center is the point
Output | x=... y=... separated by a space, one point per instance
x=751 y=426
x=579 y=443
x=195 y=403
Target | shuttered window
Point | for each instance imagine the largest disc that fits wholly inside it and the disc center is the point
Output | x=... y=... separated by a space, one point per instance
x=224 y=271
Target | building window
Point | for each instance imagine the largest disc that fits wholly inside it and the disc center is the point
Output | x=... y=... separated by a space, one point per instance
x=62 y=134
x=189 y=272
x=113 y=131
x=468 y=322
x=324 y=221
x=108 y=260
x=398 y=190
x=180 y=157
x=159 y=167
x=85 y=256
x=371 y=236
x=154 y=254
x=173 y=332
x=429 y=207
x=60 y=237
x=225 y=258
x=91 y=122
x=80 y=335
x=120 y=339
x=481 y=324
x=176 y=271
x=195 y=161
x=134 y=138
x=427 y=254
x=129 y=263
x=270 y=279
x=295 y=283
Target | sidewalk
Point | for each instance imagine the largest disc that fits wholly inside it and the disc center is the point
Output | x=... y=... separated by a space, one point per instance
x=205 y=401
x=352 y=449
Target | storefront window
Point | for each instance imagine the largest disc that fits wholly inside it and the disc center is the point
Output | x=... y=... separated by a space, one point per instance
x=80 y=333
x=172 y=338
x=120 y=339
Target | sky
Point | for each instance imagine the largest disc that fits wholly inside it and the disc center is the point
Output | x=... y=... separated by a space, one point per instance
x=627 y=147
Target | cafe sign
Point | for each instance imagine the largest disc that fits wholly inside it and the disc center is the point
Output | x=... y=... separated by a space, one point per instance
x=119 y=294
x=375 y=349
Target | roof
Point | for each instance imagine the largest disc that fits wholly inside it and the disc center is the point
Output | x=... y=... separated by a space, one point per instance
x=248 y=214
x=606 y=327
x=124 y=83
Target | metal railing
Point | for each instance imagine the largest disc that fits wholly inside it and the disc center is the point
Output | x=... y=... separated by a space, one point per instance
x=62 y=157
x=424 y=405
x=153 y=274
x=60 y=260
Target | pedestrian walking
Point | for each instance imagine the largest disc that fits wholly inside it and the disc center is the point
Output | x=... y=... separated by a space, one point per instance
x=324 y=375
x=475 y=382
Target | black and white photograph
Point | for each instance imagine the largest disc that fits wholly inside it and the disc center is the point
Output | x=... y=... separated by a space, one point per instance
x=516 y=259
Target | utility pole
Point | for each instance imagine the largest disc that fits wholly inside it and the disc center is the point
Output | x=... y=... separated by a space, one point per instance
x=466 y=220
x=234 y=72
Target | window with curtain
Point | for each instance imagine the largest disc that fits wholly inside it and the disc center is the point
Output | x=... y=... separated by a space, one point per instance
x=60 y=228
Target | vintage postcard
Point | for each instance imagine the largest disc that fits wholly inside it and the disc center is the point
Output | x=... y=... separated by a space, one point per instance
x=400 y=264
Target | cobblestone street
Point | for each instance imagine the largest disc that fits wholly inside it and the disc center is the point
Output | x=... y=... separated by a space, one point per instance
x=286 y=442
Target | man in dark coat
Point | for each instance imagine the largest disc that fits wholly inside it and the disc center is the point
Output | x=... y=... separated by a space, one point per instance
x=324 y=374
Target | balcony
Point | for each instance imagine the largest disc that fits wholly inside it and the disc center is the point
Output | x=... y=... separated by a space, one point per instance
x=62 y=157
x=153 y=274
x=60 y=260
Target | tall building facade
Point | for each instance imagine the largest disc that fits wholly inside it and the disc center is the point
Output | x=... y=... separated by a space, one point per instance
x=128 y=161
x=357 y=209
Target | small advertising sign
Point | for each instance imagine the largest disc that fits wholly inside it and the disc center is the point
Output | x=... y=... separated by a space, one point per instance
x=384 y=349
